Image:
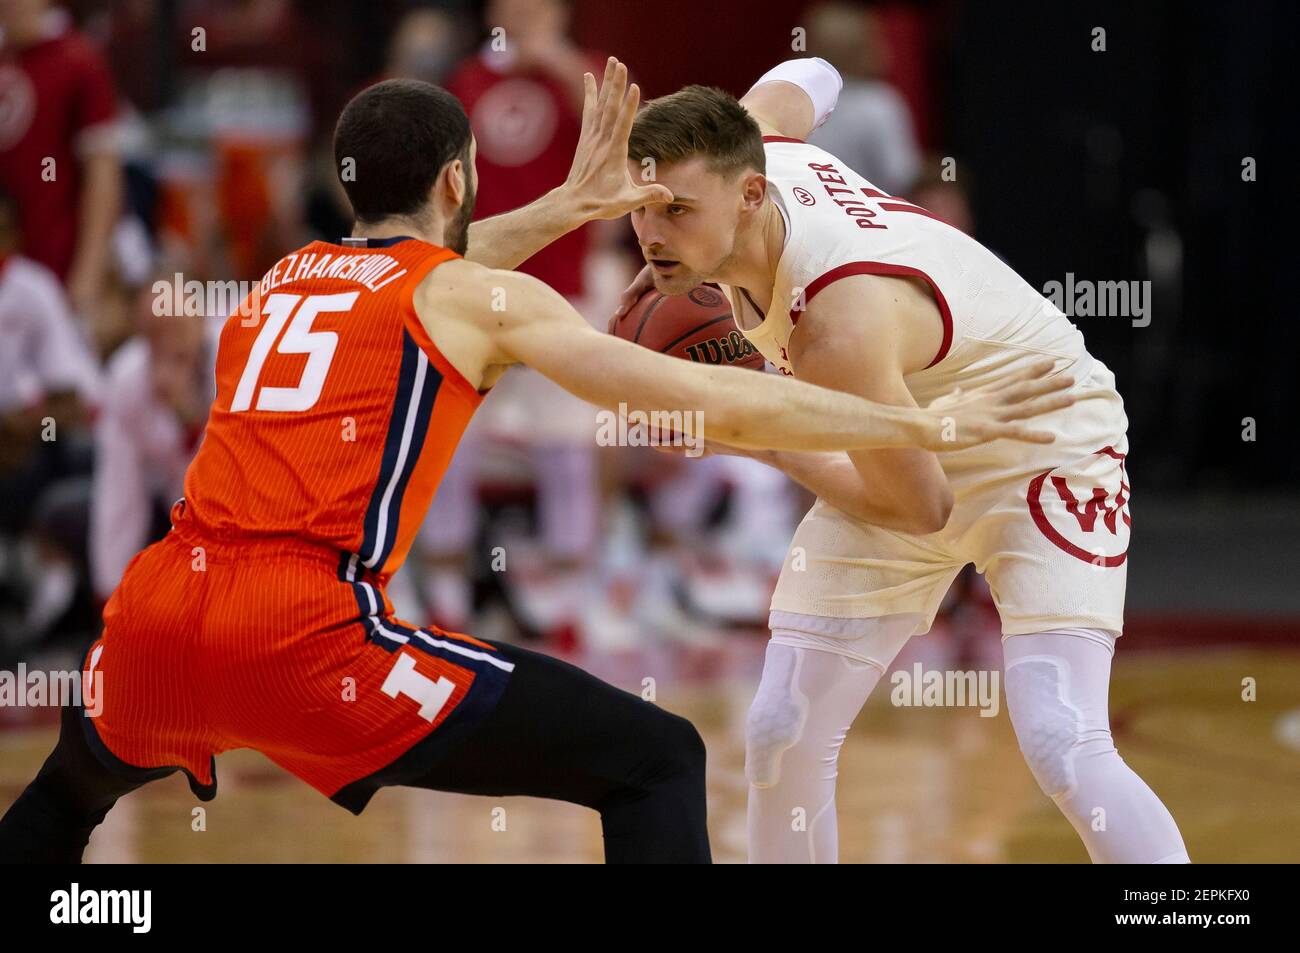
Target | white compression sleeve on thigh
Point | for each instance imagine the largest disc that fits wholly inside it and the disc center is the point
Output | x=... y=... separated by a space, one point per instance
x=806 y=701
x=1057 y=685
x=816 y=77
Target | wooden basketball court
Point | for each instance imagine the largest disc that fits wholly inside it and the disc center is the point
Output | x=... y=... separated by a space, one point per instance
x=915 y=785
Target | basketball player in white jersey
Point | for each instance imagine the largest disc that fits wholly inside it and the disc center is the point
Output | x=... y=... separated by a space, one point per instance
x=839 y=284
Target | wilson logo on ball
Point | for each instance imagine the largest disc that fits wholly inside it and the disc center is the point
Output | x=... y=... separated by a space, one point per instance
x=731 y=348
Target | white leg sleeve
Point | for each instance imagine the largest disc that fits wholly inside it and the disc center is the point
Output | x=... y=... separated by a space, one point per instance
x=811 y=690
x=1057 y=685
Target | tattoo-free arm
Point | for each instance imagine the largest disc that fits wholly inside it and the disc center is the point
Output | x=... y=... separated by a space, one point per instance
x=739 y=407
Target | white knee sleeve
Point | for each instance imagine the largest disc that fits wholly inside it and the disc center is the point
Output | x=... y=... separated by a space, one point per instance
x=813 y=687
x=797 y=723
x=776 y=718
x=1057 y=686
x=1051 y=728
x=778 y=714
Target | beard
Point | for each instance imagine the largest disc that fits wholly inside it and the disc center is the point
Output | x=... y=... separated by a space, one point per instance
x=457 y=236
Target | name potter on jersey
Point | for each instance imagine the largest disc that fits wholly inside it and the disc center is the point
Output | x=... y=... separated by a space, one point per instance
x=830 y=177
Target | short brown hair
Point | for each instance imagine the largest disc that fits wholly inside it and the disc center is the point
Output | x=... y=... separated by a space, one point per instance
x=698 y=120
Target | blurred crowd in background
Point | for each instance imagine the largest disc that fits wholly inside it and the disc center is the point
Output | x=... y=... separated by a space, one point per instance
x=156 y=140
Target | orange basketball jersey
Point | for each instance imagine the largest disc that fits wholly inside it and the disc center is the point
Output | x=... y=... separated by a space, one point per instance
x=335 y=416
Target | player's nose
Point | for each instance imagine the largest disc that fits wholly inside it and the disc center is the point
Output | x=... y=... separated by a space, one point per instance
x=648 y=236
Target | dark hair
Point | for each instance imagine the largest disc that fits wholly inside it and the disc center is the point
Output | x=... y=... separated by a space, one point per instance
x=698 y=120
x=398 y=135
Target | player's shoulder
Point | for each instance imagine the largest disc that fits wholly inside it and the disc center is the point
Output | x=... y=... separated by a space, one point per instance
x=857 y=295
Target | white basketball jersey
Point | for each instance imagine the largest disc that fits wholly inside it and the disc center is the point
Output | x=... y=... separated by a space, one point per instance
x=1047 y=523
x=838 y=224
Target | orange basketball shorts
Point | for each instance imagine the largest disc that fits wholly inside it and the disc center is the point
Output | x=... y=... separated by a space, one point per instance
x=283 y=646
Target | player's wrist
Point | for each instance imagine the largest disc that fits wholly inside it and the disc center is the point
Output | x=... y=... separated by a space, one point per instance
x=911 y=427
x=571 y=207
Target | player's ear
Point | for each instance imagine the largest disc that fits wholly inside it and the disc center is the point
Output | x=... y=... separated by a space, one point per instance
x=458 y=180
x=452 y=182
x=753 y=190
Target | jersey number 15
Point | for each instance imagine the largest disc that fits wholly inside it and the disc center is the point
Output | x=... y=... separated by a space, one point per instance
x=298 y=339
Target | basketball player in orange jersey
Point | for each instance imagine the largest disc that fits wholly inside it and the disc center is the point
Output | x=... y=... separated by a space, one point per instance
x=840 y=284
x=261 y=620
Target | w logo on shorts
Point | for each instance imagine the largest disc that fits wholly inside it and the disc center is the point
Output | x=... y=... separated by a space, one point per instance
x=1095 y=530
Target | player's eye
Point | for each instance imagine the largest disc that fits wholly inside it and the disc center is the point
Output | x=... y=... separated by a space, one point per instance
x=676 y=209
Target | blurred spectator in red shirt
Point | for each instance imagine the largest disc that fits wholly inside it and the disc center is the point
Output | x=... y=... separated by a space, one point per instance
x=58 y=157
x=523 y=92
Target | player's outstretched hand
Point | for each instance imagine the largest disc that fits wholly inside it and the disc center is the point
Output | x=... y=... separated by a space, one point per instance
x=996 y=411
x=599 y=178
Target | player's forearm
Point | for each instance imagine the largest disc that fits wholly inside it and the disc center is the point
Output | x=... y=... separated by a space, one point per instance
x=731 y=405
x=739 y=407
x=832 y=477
x=790 y=415
x=507 y=241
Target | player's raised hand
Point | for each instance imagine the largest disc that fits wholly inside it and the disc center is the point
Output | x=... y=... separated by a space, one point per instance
x=995 y=411
x=599 y=178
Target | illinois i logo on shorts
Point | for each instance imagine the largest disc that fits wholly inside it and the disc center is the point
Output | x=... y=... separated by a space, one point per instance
x=1087 y=521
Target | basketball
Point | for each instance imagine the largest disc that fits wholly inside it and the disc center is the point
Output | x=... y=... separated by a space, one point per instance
x=697 y=326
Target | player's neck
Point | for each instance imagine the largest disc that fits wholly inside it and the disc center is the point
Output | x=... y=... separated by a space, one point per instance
x=752 y=265
x=401 y=227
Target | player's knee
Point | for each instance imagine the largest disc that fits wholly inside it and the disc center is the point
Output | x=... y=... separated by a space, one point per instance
x=774 y=726
x=688 y=752
x=673 y=749
x=1048 y=727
